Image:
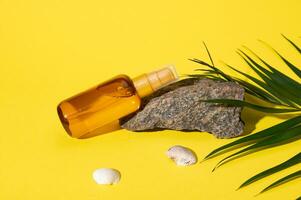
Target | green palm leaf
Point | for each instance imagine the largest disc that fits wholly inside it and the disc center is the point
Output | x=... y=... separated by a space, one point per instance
x=278 y=80
x=249 y=88
x=257 y=92
x=279 y=74
x=283 y=180
x=292 y=43
x=214 y=69
x=271 y=86
x=275 y=88
x=257 y=136
x=274 y=140
x=270 y=89
x=289 y=64
x=290 y=162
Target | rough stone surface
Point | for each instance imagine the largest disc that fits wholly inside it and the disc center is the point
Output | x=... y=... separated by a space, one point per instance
x=179 y=107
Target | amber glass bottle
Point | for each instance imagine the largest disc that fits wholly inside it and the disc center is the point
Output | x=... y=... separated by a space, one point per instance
x=99 y=109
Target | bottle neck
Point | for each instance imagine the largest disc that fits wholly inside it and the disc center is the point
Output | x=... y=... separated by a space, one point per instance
x=147 y=84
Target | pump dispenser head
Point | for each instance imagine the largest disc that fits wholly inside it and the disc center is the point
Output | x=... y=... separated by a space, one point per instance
x=146 y=84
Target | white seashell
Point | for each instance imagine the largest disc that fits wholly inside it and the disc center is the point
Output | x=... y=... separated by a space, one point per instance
x=106 y=176
x=182 y=156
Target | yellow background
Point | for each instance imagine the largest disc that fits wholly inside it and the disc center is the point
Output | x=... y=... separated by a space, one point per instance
x=52 y=49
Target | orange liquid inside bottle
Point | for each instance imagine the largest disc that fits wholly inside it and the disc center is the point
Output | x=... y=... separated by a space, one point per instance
x=99 y=109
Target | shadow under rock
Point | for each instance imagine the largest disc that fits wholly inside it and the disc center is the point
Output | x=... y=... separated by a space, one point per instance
x=162 y=129
x=251 y=117
x=254 y=150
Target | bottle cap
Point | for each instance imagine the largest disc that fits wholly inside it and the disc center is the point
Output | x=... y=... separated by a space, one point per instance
x=146 y=84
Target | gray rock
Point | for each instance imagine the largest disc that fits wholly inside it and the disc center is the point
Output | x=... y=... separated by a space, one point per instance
x=179 y=107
